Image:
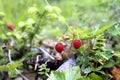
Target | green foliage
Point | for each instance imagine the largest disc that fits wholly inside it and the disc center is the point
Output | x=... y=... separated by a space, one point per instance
x=3 y=61
x=36 y=20
x=11 y=66
x=13 y=73
x=56 y=75
x=28 y=55
x=28 y=28
x=15 y=13
x=99 y=31
x=94 y=76
x=109 y=63
x=27 y=31
x=117 y=54
x=72 y=74
x=43 y=70
x=97 y=55
x=69 y=74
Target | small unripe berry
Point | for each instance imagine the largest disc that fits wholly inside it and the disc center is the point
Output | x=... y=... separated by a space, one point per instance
x=77 y=44
x=10 y=27
x=59 y=47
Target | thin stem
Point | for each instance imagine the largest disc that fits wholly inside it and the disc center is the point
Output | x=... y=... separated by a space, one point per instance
x=9 y=56
x=36 y=65
x=25 y=78
x=36 y=28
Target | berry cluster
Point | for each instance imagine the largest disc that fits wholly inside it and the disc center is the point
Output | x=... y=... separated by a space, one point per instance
x=59 y=47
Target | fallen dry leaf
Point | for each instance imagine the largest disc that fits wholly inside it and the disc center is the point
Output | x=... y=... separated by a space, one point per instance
x=116 y=73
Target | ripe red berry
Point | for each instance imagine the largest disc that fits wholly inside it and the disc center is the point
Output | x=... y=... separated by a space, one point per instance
x=10 y=27
x=59 y=47
x=77 y=44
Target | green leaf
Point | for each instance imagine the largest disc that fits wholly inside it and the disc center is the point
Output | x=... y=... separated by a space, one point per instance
x=11 y=66
x=57 y=75
x=82 y=48
x=104 y=28
x=2 y=54
x=72 y=73
x=28 y=55
x=3 y=61
x=69 y=74
x=94 y=76
x=117 y=54
x=97 y=69
x=84 y=78
x=109 y=64
x=13 y=74
x=43 y=70
x=100 y=31
x=87 y=70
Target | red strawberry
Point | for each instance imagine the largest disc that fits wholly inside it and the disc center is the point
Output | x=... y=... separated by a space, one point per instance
x=10 y=27
x=77 y=44
x=59 y=47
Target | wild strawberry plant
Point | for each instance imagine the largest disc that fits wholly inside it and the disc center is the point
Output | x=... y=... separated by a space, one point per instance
x=94 y=58
x=18 y=40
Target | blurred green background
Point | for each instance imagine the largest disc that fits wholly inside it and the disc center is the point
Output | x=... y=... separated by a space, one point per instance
x=77 y=13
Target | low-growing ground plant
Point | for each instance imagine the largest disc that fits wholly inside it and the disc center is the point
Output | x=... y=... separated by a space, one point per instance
x=94 y=45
